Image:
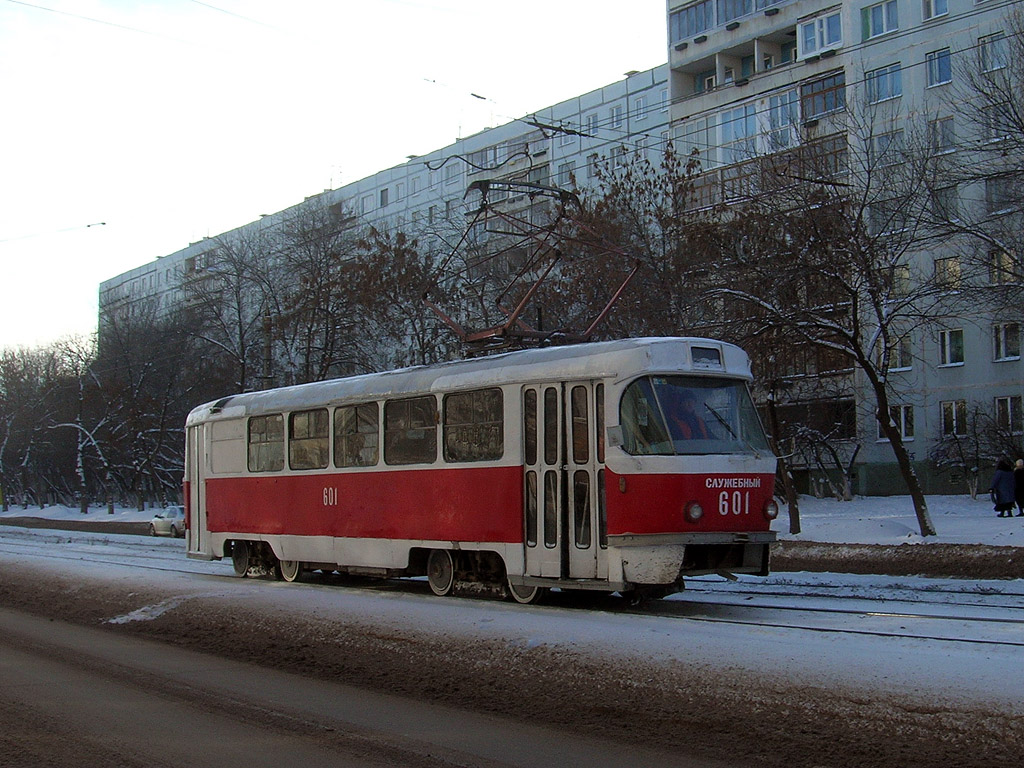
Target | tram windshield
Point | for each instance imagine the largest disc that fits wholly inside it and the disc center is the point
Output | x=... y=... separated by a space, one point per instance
x=686 y=415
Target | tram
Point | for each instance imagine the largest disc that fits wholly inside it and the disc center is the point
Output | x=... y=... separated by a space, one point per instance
x=619 y=466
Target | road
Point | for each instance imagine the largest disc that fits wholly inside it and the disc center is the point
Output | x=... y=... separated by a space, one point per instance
x=117 y=650
x=77 y=696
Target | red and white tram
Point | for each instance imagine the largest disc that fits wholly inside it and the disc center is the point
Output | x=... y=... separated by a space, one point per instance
x=620 y=466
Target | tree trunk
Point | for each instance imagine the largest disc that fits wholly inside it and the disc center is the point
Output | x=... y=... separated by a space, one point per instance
x=792 y=504
x=899 y=450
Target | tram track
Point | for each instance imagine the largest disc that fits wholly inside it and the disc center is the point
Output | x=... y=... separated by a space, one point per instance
x=895 y=612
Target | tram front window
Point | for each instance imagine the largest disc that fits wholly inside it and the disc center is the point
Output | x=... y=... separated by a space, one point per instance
x=680 y=415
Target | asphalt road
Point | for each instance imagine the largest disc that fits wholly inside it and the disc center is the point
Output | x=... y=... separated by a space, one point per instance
x=79 y=696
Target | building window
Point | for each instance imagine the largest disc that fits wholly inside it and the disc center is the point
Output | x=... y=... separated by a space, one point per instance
x=592 y=166
x=820 y=34
x=592 y=124
x=640 y=107
x=932 y=9
x=691 y=21
x=940 y=135
x=366 y=204
x=992 y=52
x=565 y=174
x=900 y=354
x=999 y=197
x=384 y=197
x=879 y=19
x=704 y=81
x=664 y=100
x=884 y=83
x=901 y=280
x=940 y=68
x=886 y=148
x=954 y=418
x=616 y=114
x=1009 y=414
x=1006 y=341
x=951 y=347
x=822 y=96
x=414 y=186
x=945 y=203
x=733 y=9
x=996 y=121
x=903 y=417
x=1002 y=268
x=451 y=172
x=738 y=132
x=783 y=117
x=947 y=273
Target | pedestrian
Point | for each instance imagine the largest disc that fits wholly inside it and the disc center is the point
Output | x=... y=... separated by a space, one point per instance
x=1018 y=486
x=1002 y=491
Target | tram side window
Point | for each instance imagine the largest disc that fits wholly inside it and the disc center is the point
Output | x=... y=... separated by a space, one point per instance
x=474 y=426
x=410 y=431
x=356 y=440
x=266 y=443
x=308 y=439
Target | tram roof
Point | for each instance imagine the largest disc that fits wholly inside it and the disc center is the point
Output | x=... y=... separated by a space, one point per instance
x=605 y=359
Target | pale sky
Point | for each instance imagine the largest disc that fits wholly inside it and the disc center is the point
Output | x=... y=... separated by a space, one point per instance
x=172 y=120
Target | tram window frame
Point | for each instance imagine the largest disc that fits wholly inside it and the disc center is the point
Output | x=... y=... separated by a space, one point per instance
x=365 y=417
x=474 y=425
x=311 y=448
x=410 y=437
x=266 y=454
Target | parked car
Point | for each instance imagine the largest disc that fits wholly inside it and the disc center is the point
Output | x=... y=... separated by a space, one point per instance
x=169 y=521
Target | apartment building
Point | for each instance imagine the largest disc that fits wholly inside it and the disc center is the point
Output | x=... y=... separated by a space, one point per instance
x=750 y=78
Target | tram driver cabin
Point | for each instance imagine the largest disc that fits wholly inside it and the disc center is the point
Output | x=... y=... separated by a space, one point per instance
x=620 y=466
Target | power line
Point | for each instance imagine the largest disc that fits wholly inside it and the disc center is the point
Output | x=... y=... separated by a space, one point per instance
x=53 y=232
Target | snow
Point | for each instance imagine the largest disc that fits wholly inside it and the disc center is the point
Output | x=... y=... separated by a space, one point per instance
x=891 y=520
x=924 y=666
x=865 y=520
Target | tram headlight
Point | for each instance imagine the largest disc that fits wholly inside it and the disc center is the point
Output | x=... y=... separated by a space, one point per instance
x=771 y=509
x=694 y=511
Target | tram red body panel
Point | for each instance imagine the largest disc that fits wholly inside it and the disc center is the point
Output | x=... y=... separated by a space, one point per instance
x=655 y=503
x=471 y=504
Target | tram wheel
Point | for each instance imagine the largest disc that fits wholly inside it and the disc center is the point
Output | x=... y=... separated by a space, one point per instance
x=240 y=557
x=440 y=572
x=523 y=594
x=291 y=570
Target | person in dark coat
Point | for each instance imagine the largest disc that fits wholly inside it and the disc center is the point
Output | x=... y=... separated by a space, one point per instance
x=1018 y=486
x=1002 y=490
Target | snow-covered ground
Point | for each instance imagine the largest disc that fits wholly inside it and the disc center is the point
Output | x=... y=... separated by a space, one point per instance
x=865 y=520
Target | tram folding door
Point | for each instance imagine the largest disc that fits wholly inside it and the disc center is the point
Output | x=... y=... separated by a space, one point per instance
x=195 y=473
x=563 y=475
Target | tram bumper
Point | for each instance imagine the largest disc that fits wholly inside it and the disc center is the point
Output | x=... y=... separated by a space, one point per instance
x=666 y=558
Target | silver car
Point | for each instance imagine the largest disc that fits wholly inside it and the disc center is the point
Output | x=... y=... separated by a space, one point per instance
x=168 y=522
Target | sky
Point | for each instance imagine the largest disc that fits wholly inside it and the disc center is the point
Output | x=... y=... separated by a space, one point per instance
x=132 y=128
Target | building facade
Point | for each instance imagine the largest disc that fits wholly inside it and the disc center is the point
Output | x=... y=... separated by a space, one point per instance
x=750 y=78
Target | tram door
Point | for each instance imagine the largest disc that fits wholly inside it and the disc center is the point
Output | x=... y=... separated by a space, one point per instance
x=563 y=426
x=196 y=473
